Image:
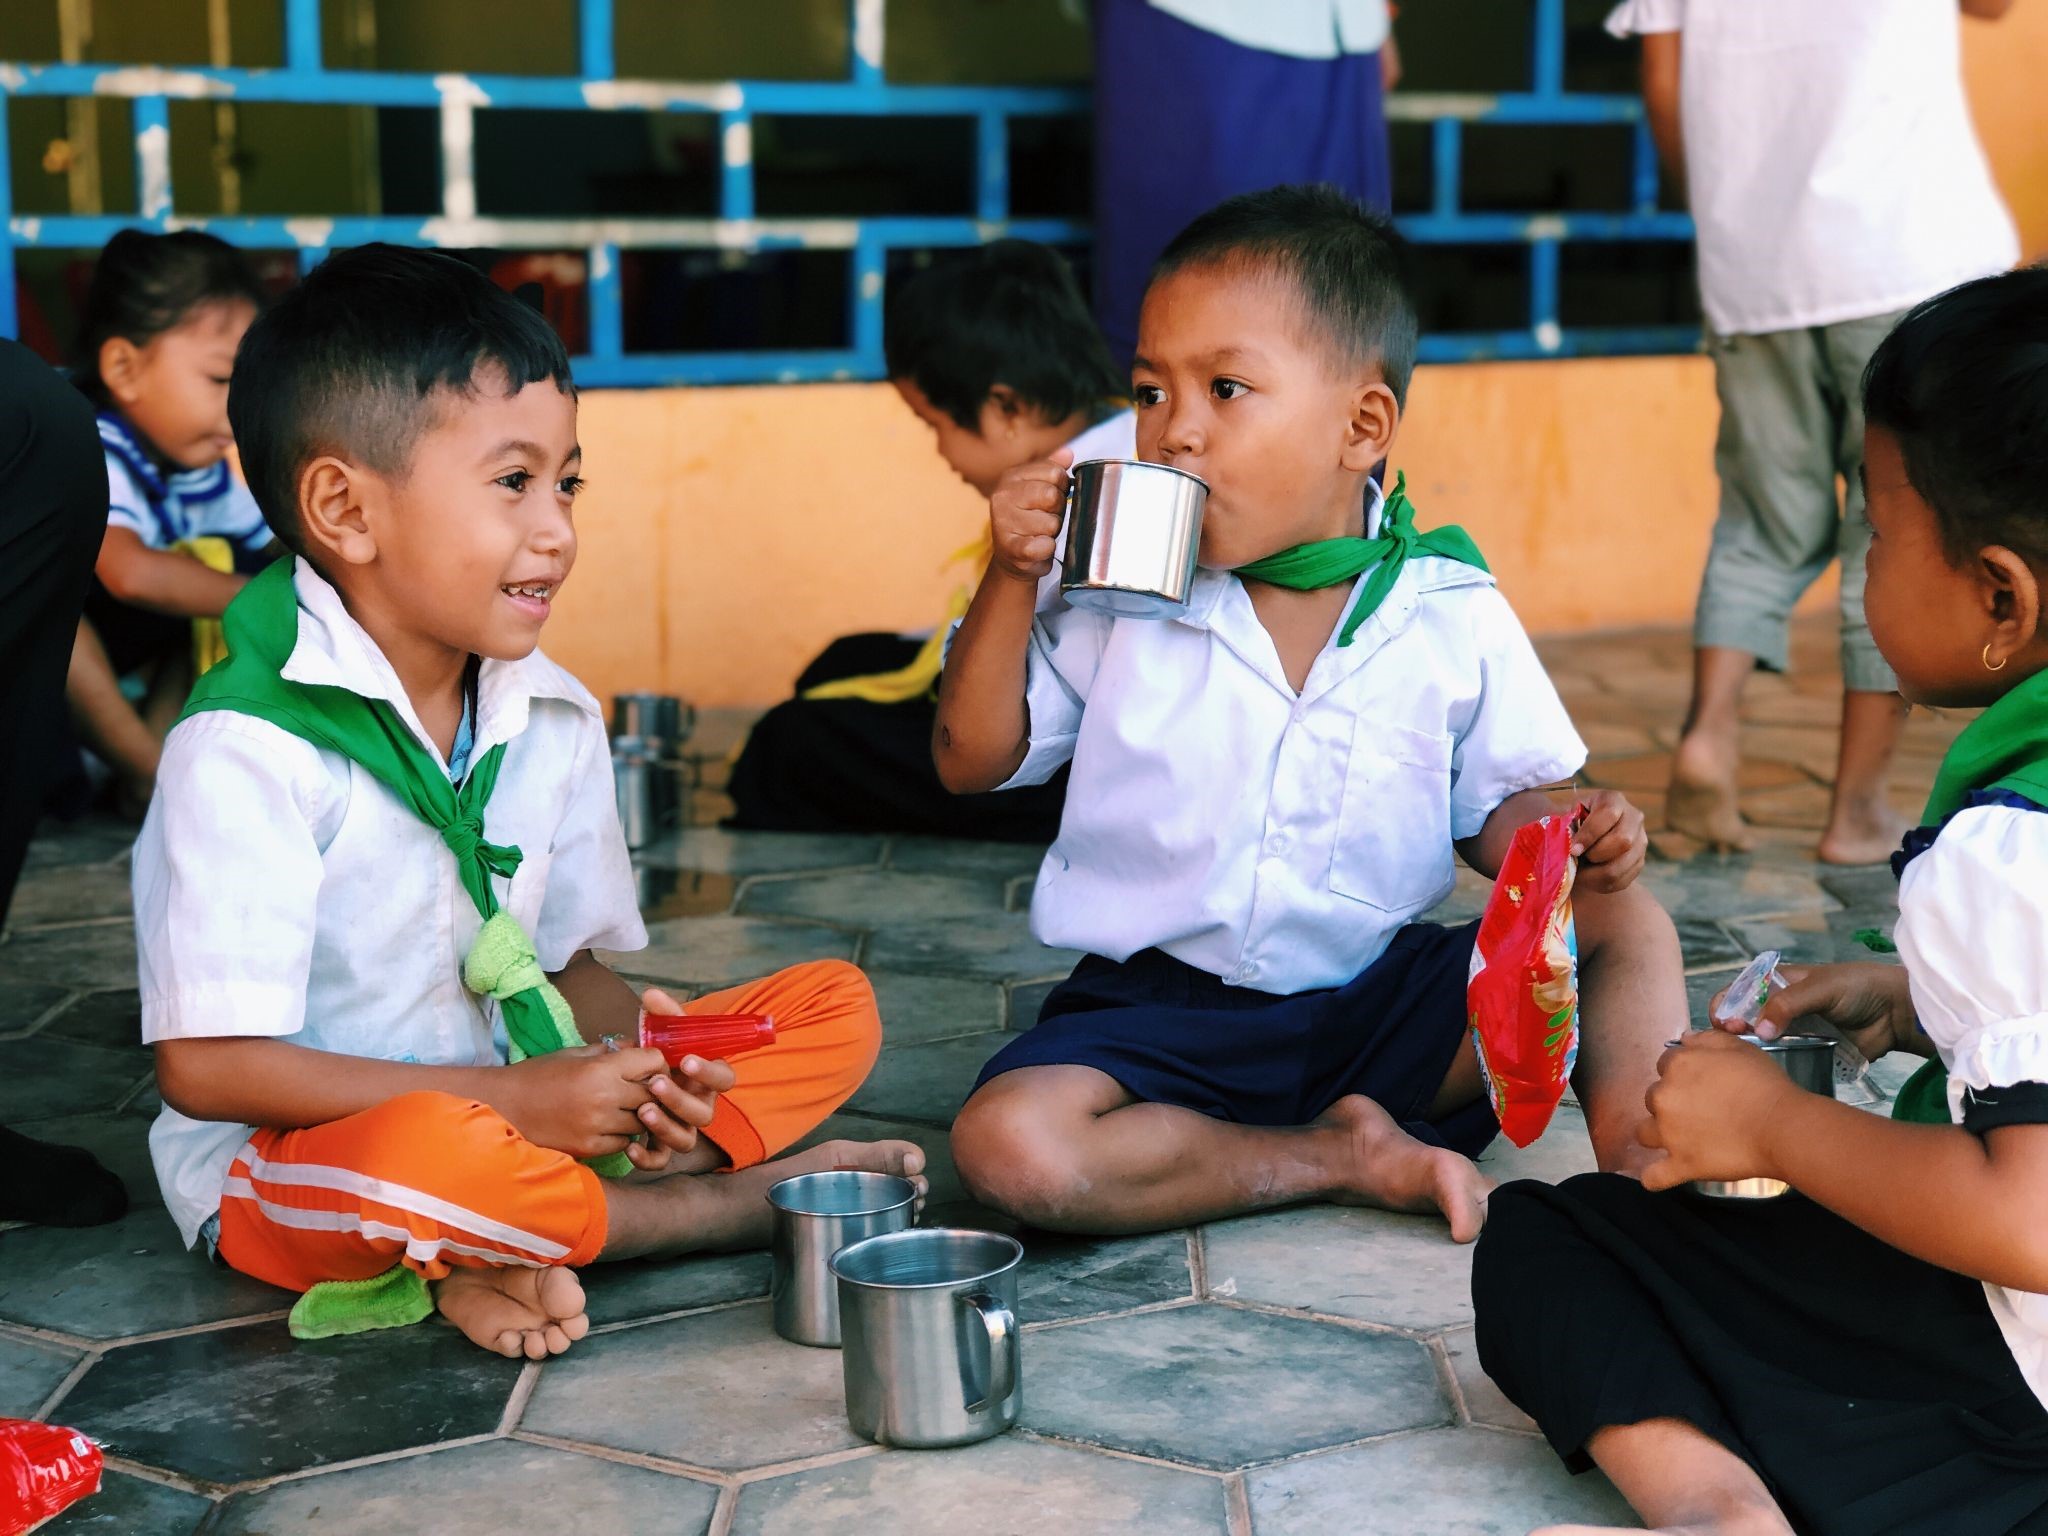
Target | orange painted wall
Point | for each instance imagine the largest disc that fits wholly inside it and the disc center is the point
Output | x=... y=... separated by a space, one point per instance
x=728 y=534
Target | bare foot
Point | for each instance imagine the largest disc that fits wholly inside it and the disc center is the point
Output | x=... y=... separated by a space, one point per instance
x=1702 y=801
x=1868 y=834
x=1395 y=1172
x=515 y=1311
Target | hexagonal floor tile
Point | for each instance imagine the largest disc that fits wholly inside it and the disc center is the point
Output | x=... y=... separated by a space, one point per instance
x=919 y=1008
x=127 y=1506
x=1064 y=1277
x=1449 y=1482
x=637 y=1288
x=1004 y=1487
x=23 y=1003
x=1484 y=1402
x=718 y=851
x=29 y=1372
x=43 y=1076
x=926 y=1082
x=958 y=856
x=1375 y=1266
x=723 y=951
x=89 y=958
x=1025 y=1000
x=871 y=898
x=1705 y=941
x=244 y=1403
x=634 y=1390
x=1739 y=885
x=128 y=1277
x=1815 y=938
x=71 y=895
x=1224 y=1387
x=500 y=1485
x=998 y=946
x=110 y=1019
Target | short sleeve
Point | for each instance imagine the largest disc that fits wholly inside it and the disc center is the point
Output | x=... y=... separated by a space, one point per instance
x=1066 y=651
x=590 y=901
x=128 y=507
x=227 y=880
x=230 y=513
x=1637 y=18
x=1972 y=912
x=1516 y=734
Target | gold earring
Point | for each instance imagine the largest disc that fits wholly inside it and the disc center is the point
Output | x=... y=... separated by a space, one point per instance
x=1988 y=667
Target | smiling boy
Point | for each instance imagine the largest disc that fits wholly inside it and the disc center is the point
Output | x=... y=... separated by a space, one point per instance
x=384 y=849
x=1267 y=791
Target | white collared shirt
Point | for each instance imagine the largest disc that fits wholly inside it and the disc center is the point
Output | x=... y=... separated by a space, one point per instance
x=281 y=890
x=1832 y=167
x=1303 y=29
x=1275 y=840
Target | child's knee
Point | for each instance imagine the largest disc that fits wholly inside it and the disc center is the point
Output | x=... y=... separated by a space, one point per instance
x=1630 y=918
x=1012 y=1155
x=834 y=1003
x=434 y=1129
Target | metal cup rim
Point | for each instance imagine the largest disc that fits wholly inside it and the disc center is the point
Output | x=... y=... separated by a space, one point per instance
x=920 y=1235
x=860 y=1175
x=1142 y=464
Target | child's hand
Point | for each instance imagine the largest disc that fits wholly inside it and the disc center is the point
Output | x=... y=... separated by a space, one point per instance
x=1711 y=1111
x=1024 y=516
x=1868 y=1002
x=584 y=1101
x=680 y=1102
x=1611 y=844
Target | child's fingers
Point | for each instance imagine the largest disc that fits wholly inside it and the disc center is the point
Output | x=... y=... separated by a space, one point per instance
x=654 y=1000
x=1662 y=1173
x=1601 y=819
x=679 y=1102
x=699 y=1075
x=648 y=1159
x=675 y=1130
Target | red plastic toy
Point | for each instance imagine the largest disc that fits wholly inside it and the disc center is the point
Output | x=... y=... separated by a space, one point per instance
x=708 y=1036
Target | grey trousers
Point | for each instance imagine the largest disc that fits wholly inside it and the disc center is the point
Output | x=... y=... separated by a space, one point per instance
x=1791 y=423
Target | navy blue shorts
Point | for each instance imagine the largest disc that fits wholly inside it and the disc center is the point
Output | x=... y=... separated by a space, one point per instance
x=1171 y=1034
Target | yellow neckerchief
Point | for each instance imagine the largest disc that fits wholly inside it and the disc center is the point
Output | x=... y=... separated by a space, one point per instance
x=209 y=644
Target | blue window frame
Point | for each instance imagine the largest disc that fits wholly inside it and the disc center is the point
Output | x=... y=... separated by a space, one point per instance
x=735 y=103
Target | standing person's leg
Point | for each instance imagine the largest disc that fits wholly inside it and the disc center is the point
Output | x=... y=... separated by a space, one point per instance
x=1863 y=825
x=1775 y=535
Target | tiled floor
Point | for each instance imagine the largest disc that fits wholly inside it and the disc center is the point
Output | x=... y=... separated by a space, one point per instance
x=1305 y=1371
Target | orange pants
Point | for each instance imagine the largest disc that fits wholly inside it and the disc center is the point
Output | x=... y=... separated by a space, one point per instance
x=433 y=1181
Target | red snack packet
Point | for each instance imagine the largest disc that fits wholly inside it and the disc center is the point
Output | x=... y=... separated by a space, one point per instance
x=1523 y=990
x=43 y=1469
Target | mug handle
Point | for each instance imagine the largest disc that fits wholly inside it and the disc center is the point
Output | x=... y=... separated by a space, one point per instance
x=1001 y=1326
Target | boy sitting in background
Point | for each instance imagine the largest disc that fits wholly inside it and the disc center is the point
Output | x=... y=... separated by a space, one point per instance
x=1268 y=790
x=996 y=353
x=384 y=847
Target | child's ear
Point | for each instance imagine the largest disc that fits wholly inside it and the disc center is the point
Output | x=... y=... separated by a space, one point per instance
x=1369 y=434
x=2012 y=600
x=334 y=512
x=120 y=365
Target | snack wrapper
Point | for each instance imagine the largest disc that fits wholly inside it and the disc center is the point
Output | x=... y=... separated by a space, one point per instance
x=1522 y=994
x=43 y=1469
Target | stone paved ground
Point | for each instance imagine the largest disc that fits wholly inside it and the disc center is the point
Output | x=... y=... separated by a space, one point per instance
x=1305 y=1371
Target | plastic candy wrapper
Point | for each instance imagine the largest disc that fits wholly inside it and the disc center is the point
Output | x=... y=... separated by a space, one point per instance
x=1523 y=991
x=1743 y=1004
x=43 y=1469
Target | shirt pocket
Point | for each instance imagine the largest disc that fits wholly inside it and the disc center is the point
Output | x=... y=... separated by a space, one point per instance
x=1394 y=823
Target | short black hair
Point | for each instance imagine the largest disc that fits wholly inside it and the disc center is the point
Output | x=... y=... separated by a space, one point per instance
x=1962 y=384
x=348 y=361
x=1007 y=313
x=1347 y=263
x=145 y=284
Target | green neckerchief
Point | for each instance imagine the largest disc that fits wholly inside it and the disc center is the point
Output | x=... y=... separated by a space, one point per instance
x=262 y=627
x=1327 y=562
x=2006 y=747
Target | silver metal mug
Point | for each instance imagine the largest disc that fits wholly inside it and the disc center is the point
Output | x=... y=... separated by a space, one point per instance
x=660 y=718
x=1809 y=1060
x=816 y=1215
x=1132 y=533
x=930 y=1317
x=642 y=788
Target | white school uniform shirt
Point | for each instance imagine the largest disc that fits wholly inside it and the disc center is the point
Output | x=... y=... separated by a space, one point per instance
x=1973 y=932
x=1279 y=841
x=1302 y=29
x=1833 y=170
x=165 y=509
x=281 y=890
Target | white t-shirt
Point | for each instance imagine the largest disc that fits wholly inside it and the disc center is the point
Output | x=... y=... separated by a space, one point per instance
x=1304 y=29
x=1834 y=172
x=163 y=510
x=280 y=890
x=1275 y=840
x=1973 y=931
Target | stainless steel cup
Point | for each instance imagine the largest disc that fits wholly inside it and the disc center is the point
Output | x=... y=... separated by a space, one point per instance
x=1132 y=533
x=1809 y=1060
x=816 y=1215
x=931 y=1353
x=639 y=783
x=661 y=718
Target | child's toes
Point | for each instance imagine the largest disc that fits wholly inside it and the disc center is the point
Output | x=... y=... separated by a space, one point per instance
x=511 y=1344
x=536 y=1344
x=574 y=1328
x=556 y=1339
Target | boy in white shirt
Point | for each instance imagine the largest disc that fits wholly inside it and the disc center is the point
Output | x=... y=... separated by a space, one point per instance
x=1267 y=791
x=384 y=849
x=1835 y=179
